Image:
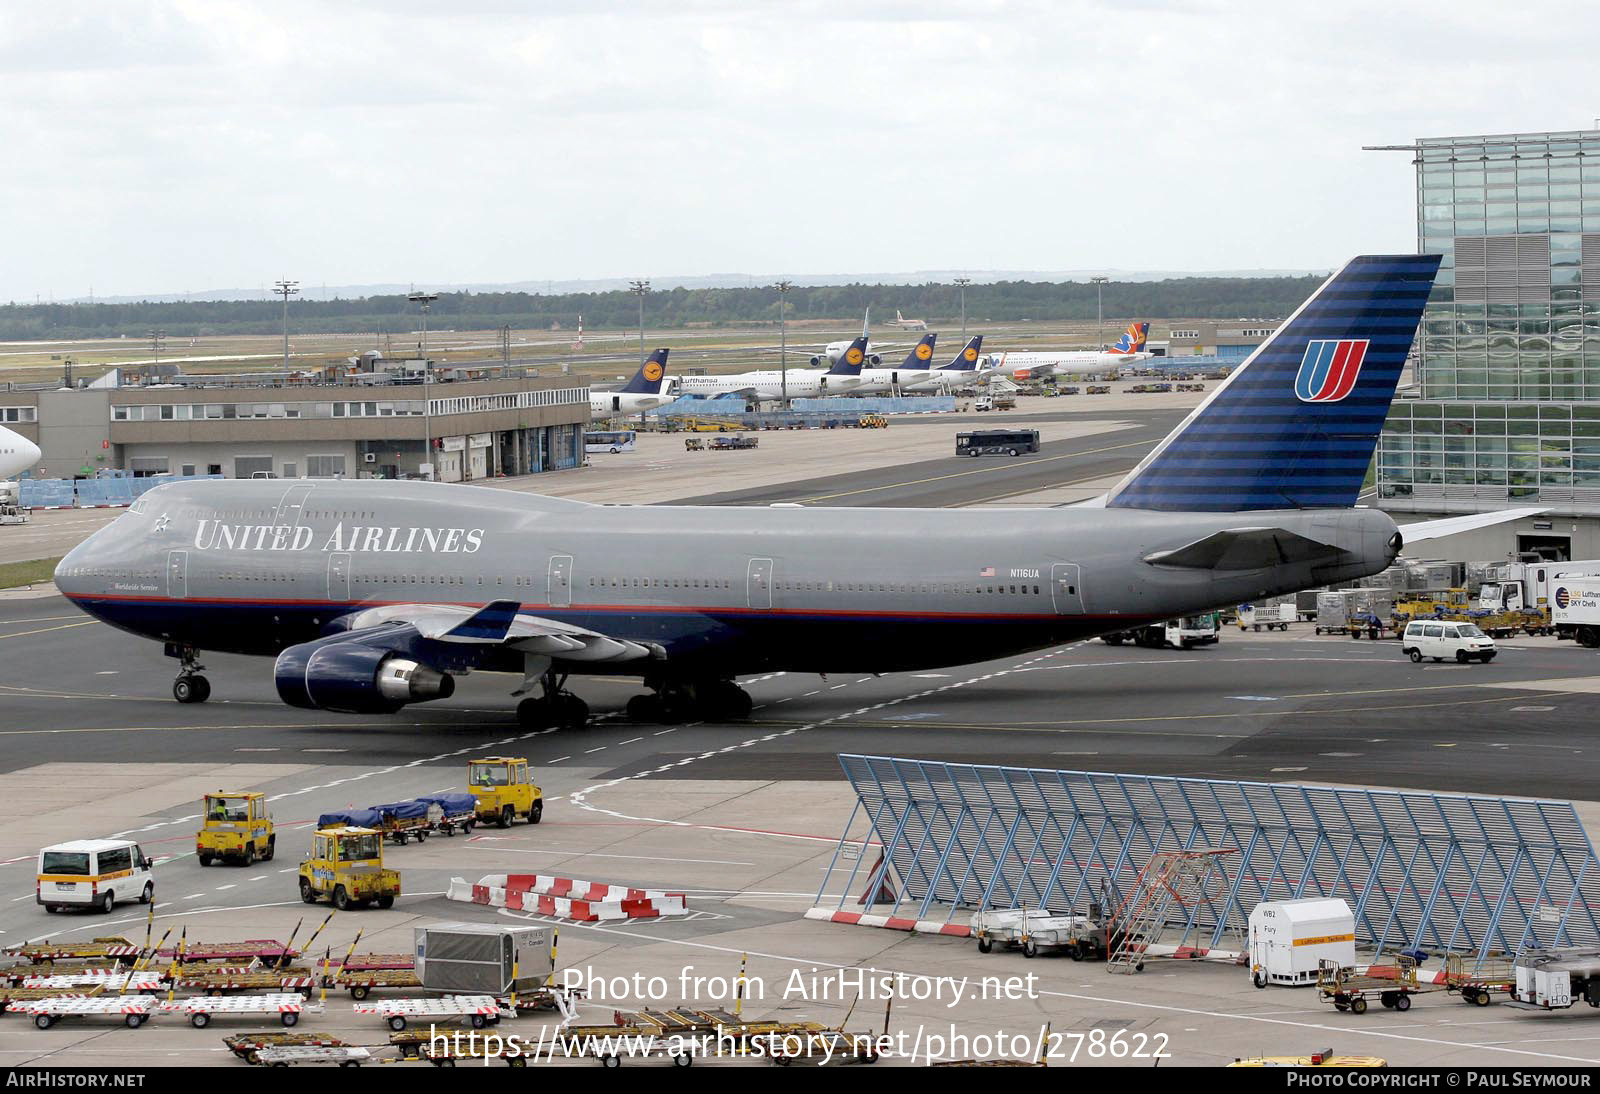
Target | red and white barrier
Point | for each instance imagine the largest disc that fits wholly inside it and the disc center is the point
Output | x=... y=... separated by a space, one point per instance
x=565 y=898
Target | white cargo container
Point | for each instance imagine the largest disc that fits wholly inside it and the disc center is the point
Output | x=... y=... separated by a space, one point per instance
x=482 y=958
x=1288 y=939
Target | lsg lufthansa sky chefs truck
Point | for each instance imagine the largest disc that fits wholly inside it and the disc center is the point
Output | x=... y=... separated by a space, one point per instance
x=1575 y=609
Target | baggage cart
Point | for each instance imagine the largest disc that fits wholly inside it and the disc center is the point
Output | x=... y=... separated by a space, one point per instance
x=362 y=983
x=401 y=822
x=16 y=974
x=243 y=953
x=118 y=949
x=288 y=1006
x=247 y=1045
x=1478 y=981
x=457 y=812
x=132 y=1010
x=102 y=981
x=287 y=1055
x=368 y=962
x=477 y=1010
x=259 y=978
x=1347 y=988
x=1034 y=929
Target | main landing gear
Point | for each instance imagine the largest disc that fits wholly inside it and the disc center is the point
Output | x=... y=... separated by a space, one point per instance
x=557 y=707
x=190 y=686
x=697 y=701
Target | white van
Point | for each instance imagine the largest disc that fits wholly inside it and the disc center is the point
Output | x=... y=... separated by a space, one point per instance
x=1439 y=639
x=93 y=873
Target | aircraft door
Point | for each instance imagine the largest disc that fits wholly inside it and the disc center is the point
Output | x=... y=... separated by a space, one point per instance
x=1065 y=590
x=560 y=581
x=339 y=576
x=178 y=574
x=758 y=583
x=291 y=505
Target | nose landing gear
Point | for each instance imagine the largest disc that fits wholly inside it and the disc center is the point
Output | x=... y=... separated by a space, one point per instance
x=190 y=686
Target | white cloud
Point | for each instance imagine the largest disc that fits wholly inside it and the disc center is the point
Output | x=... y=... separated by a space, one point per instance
x=206 y=143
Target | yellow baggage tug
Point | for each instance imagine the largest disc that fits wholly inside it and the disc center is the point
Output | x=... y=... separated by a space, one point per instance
x=235 y=827
x=505 y=790
x=346 y=865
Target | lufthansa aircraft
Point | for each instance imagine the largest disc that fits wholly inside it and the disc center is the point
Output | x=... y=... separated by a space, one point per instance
x=17 y=453
x=961 y=369
x=373 y=594
x=644 y=392
x=915 y=369
x=770 y=384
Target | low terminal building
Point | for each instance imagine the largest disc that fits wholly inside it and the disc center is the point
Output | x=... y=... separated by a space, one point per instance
x=511 y=422
x=1230 y=341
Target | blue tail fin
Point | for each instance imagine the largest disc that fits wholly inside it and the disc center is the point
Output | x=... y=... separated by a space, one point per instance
x=647 y=381
x=849 y=362
x=967 y=359
x=921 y=354
x=1295 y=425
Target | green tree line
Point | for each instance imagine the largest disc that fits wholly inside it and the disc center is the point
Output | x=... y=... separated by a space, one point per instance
x=1188 y=298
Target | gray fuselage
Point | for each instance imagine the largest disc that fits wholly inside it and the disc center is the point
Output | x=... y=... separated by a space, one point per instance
x=256 y=566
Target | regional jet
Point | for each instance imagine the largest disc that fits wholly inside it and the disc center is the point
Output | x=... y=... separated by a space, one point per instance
x=647 y=390
x=1129 y=349
x=17 y=453
x=770 y=384
x=372 y=594
x=909 y=324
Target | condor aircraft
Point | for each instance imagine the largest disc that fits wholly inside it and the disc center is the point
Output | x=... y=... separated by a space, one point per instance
x=369 y=595
x=17 y=453
x=770 y=384
x=646 y=391
x=1129 y=348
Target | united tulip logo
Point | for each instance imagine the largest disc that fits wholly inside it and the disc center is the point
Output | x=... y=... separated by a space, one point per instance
x=924 y=351
x=652 y=371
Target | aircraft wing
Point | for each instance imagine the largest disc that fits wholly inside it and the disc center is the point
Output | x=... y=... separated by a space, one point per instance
x=1424 y=530
x=501 y=623
x=1246 y=549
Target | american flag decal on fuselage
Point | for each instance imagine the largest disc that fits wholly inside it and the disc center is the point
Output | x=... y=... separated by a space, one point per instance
x=1329 y=369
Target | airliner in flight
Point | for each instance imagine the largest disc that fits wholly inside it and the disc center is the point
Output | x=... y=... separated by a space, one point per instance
x=373 y=594
x=1036 y=363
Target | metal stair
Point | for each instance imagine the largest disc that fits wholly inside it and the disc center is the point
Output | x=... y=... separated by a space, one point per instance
x=1182 y=878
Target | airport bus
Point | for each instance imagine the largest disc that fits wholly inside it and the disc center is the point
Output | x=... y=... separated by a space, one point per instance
x=997 y=442
x=611 y=440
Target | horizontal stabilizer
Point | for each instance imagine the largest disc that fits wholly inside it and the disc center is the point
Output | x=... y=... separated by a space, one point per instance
x=1247 y=549
x=1424 y=530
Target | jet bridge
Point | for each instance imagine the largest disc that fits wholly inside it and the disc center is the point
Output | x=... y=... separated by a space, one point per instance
x=1438 y=872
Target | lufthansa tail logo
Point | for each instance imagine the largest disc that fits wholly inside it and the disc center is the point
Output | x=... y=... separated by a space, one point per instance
x=853 y=357
x=1329 y=369
x=924 y=351
x=970 y=355
x=652 y=371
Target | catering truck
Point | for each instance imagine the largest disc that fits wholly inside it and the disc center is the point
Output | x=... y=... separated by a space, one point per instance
x=1575 y=609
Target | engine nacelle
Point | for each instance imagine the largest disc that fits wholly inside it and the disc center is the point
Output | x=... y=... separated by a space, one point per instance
x=355 y=678
x=874 y=360
x=818 y=360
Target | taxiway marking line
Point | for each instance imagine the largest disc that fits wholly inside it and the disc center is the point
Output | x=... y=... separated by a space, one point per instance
x=984 y=470
x=47 y=630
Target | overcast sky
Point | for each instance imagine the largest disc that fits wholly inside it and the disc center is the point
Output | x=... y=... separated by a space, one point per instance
x=198 y=144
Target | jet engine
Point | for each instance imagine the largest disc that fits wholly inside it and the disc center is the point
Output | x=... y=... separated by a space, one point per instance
x=820 y=359
x=873 y=360
x=355 y=678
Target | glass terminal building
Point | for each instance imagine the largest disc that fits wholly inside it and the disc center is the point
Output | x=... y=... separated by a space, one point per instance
x=1508 y=411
